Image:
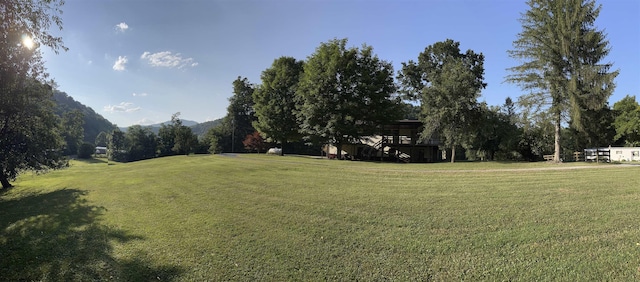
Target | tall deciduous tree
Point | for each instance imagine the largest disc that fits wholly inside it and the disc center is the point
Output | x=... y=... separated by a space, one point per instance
x=116 y=146
x=562 y=53
x=167 y=136
x=29 y=131
x=175 y=138
x=186 y=141
x=447 y=83
x=346 y=94
x=627 y=121
x=140 y=143
x=275 y=100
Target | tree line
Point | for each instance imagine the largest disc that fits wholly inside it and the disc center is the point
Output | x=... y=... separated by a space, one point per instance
x=340 y=94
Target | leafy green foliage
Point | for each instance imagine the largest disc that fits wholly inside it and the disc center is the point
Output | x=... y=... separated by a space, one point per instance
x=29 y=131
x=72 y=131
x=240 y=113
x=598 y=130
x=238 y=123
x=175 y=138
x=627 y=121
x=495 y=135
x=86 y=150
x=562 y=53
x=116 y=146
x=448 y=83
x=185 y=141
x=276 y=102
x=218 y=138
x=346 y=94
x=140 y=143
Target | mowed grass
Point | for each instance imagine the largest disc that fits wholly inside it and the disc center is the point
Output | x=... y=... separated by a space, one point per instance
x=257 y=217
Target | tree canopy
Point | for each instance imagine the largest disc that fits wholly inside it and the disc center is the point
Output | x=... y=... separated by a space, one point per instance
x=346 y=93
x=276 y=102
x=627 y=121
x=447 y=83
x=29 y=130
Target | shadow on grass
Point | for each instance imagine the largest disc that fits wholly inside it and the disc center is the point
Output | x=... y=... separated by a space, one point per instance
x=56 y=237
x=93 y=161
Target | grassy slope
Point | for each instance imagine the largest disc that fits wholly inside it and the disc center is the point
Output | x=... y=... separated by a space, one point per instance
x=289 y=218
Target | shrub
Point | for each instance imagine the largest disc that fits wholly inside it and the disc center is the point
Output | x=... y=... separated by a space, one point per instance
x=86 y=150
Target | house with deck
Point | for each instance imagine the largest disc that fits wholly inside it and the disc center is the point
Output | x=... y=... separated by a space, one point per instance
x=397 y=142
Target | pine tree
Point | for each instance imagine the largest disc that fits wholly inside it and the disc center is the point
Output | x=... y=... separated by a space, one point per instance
x=561 y=52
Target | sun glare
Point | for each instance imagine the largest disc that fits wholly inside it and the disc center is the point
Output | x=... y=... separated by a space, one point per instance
x=27 y=42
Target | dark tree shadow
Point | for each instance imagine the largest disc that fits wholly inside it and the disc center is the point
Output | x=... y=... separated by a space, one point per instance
x=56 y=237
x=93 y=161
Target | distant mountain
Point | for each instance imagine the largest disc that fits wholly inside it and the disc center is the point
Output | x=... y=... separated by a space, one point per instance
x=94 y=123
x=201 y=129
x=197 y=128
x=185 y=122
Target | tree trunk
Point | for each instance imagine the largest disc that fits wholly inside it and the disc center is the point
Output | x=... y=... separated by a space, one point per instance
x=339 y=151
x=453 y=153
x=5 y=182
x=284 y=142
x=556 y=150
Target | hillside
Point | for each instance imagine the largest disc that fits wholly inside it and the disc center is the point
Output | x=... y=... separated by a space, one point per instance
x=201 y=129
x=198 y=129
x=185 y=122
x=94 y=123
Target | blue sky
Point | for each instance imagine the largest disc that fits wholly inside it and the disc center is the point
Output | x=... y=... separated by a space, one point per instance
x=140 y=61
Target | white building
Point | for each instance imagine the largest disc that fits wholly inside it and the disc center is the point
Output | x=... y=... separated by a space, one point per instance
x=629 y=154
x=614 y=154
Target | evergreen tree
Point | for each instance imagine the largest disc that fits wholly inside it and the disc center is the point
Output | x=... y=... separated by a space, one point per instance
x=562 y=53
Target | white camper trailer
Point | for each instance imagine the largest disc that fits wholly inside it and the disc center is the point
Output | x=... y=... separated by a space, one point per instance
x=613 y=154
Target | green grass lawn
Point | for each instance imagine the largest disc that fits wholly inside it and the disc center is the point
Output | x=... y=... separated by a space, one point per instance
x=257 y=217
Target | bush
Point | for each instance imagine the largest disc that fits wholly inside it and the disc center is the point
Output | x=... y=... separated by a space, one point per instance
x=86 y=150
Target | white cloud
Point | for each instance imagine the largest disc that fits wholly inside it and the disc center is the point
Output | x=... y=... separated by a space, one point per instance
x=145 y=121
x=126 y=107
x=122 y=27
x=140 y=94
x=120 y=63
x=168 y=60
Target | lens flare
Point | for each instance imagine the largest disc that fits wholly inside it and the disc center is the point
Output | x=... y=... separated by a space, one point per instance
x=28 y=42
